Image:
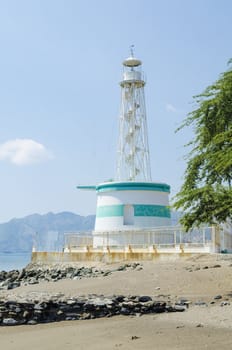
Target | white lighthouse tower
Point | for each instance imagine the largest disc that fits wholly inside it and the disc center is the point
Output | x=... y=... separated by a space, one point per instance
x=132 y=203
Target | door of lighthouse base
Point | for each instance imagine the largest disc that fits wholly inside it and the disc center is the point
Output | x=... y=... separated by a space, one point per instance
x=128 y=215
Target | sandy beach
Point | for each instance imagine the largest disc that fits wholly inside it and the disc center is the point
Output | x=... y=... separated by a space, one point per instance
x=206 y=324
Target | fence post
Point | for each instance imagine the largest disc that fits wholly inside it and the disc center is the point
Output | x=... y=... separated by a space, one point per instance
x=223 y=239
x=214 y=238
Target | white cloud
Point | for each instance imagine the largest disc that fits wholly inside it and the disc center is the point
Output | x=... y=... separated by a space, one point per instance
x=171 y=108
x=24 y=151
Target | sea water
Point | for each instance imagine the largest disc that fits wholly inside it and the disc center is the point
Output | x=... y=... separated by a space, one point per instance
x=14 y=261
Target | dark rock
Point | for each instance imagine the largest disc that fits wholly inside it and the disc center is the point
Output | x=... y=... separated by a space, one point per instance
x=13 y=275
x=21 y=274
x=134 y=337
x=121 y=268
x=184 y=302
x=218 y=297
x=200 y=303
x=119 y=298
x=124 y=311
x=179 y=308
x=106 y=273
x=32 y=322
x=170 y=308
x=139 y=268
x=144 y=298
x=9 y=322
x=159 y=307
x=15 y=284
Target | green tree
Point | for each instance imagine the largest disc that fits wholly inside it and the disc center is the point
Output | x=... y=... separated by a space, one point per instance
x=206 y=193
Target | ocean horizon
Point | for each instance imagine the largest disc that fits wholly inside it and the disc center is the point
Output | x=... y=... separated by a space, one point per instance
x=13 y=260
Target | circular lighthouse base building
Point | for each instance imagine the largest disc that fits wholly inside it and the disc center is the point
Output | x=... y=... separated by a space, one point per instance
x=127 y=209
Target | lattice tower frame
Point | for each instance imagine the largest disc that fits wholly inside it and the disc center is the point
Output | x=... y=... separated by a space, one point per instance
x=133 y=159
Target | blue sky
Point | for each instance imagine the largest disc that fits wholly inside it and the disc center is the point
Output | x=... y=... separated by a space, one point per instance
x=60 y=66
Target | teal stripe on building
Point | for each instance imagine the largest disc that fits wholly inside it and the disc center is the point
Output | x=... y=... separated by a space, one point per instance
x=132 y=186
x=139 y=210
x=151 y=210
x=109 y=211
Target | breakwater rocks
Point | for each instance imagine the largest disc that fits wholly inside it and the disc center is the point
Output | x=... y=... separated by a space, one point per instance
x=34 y=275
x=57 y=308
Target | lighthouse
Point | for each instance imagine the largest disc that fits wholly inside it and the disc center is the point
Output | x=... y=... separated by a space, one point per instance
x=133 y=163
x=132 y=202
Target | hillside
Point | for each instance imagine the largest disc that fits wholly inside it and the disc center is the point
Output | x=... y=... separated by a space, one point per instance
x=19 y=234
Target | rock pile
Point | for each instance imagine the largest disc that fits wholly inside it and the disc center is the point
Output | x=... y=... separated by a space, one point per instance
x=15 y=278
x=17 y=312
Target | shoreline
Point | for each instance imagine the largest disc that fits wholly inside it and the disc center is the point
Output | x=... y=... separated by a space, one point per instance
x=145 y=332
x=205 y=281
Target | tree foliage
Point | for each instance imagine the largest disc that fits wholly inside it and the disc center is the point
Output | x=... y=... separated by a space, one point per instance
x=206 y=193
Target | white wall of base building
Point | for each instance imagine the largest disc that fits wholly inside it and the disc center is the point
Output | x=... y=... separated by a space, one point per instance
x=116 y=223
x=132 y=197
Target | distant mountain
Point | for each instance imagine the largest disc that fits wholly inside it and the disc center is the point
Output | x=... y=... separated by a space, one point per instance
x=19 y=234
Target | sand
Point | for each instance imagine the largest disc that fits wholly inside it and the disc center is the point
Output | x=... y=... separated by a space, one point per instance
x=205 y=326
